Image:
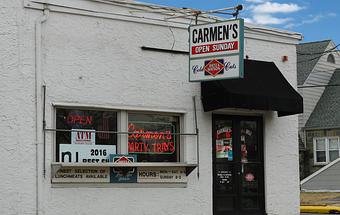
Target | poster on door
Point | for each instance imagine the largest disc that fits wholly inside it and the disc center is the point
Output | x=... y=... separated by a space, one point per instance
x=224 y=147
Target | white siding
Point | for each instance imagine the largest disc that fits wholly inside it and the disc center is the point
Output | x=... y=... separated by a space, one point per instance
x=320 y=75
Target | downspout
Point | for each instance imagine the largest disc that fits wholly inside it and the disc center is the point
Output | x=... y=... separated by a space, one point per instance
x=38 y=104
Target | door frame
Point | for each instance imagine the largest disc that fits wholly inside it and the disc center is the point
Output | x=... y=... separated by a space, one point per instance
x=236 y=119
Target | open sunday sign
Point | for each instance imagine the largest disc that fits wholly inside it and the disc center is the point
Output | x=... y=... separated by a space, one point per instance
x=216 y=51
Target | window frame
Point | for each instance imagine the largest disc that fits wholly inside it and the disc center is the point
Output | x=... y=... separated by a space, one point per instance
x=179 y=146
x=85 y=108
x=122 y=126
x=327 y=149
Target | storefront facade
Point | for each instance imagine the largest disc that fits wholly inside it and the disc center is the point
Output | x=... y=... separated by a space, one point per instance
x=93 y=80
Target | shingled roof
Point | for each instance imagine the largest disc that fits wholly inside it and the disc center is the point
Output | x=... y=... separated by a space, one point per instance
x=308 y=54
x=326 y=113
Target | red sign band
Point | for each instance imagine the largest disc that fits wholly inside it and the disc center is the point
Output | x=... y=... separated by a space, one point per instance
x=217 y=47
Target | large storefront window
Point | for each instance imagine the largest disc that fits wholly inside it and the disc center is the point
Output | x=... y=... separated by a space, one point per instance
x=152 y=139
x=82 y=144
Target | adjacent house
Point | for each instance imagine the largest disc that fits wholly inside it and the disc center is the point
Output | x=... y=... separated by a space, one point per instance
x=325 y=179
x=319 y=126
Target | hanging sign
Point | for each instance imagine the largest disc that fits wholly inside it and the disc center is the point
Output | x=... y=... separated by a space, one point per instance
x=216 y=51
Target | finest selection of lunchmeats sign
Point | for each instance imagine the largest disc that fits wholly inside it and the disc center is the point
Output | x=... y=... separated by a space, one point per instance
x=216 y=51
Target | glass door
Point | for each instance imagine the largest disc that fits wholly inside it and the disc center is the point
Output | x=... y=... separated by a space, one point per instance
x=238 y=186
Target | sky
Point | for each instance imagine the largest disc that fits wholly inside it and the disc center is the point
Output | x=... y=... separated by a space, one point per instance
x=314 y=19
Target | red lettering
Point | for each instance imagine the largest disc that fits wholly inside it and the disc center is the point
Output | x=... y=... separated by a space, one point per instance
x=154 y=147
x=69 y=119
x=82 y=120
x=168 y=135
x=89 y=120
x=145 y=147
x=131 y=128
x=147 y=135
x=131 y=147
x=137 y=148
x=172 y=147
x=159 y=147
x=165 y=147
x=140 y=133
x=77 y=118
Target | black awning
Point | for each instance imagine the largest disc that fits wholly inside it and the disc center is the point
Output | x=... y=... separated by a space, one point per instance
x=262 y=88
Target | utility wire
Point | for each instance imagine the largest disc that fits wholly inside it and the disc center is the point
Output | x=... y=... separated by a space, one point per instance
x=319 y=85
x=319 y=54
x=325 y=71
x=301 y=53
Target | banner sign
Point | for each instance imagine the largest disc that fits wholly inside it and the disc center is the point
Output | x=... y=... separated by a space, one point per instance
x=167 y=175
x=82 y=175
x=73 y=153
x=83 y=136
x=216 y=51
x=123 y=175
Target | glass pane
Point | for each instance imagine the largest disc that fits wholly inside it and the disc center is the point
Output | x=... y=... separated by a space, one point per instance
x=249 y=143
x=333 y=155
x=152 y=139
x=333 y=143
x=224 y=178
x=249 y=202
x=224 y=143
x=320 y=145
x=250 y=180
x=82 y=144
x=320 y=156
x=224 y=203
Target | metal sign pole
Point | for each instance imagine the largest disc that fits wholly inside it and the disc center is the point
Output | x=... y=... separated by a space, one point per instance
x=197 y=138
x=44 y=131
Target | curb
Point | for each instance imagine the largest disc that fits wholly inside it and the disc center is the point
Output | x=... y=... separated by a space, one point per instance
x=328 y=209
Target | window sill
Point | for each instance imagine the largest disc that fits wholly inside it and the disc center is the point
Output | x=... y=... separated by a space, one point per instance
x=188 y=167
x=142 y=174
x=112 y=185
x=320 y=164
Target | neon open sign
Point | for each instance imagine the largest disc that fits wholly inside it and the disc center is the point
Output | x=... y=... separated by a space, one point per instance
x=151 y=138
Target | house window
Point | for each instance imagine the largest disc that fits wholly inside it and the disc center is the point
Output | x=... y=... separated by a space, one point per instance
x=152 y=138
x=78 y=140
x=330 y=58
x=326 y=149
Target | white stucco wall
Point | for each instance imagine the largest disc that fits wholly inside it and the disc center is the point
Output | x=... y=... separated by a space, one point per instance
x=98 y=61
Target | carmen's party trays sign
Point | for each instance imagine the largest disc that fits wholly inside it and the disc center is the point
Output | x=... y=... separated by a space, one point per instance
x=216 y=50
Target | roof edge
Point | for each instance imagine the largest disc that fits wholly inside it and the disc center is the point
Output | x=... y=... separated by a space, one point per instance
x=320 y=41
x=319 y=171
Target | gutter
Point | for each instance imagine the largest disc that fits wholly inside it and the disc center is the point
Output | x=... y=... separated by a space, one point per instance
x=38 y=105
